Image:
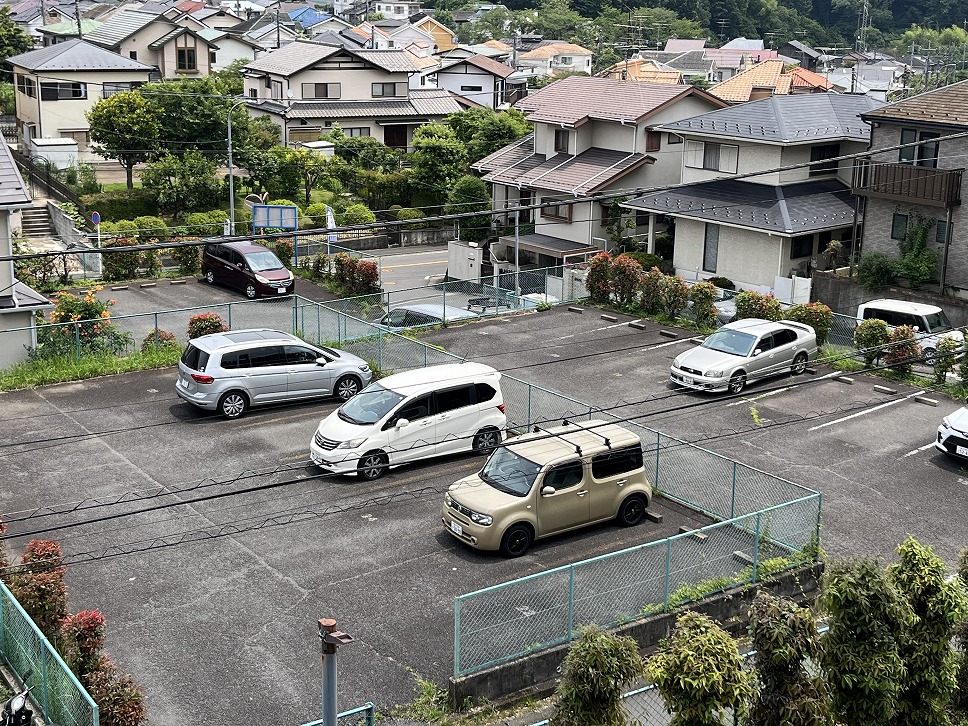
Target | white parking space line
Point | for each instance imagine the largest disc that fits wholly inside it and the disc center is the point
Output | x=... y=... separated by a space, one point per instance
x=919 y=450
x=864 y=413
x=750 y=399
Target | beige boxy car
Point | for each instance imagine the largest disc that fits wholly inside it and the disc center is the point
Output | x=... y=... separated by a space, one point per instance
x=550 y=481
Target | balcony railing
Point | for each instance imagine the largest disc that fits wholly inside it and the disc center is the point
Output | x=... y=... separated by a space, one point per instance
x=908 y=183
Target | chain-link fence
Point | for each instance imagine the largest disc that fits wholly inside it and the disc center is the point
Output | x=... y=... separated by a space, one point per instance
x=359 y=716
x=55 y=689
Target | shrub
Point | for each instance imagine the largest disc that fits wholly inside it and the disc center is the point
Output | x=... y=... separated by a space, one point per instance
x=151 y=228
x=120 y=699
x=599 y=267
x=82 y=637
x=159 y=339
x=875 y=271
x=650 y=287
x=283 y=203
x=703 y=296
x=367 y=277
x=902 y=349
x=317 y=213
x=321 y=267
x=944 y=358
x=39 y=585
x=646 y=260
x=189 y=257
x=205 y=324
x=815 y=314
x=723 y=283
x=408 y=213
x=358 y=214
x=283 y=250
x=753 y=304
x=81 y=326
x=623 y=282
x=675 y=294
x=870 y=337
x=119 y=265
x=123 y=204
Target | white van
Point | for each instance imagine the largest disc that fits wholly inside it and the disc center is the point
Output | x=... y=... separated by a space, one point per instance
x=432 y=411
x=929 y=321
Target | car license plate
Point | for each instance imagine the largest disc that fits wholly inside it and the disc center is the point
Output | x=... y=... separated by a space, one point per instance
x=281 y=290
x=456 y=528
x=961 y=450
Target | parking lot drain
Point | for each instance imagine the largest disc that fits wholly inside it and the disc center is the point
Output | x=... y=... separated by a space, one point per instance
x=573 y=309
x=742 y=557
x=611 y=318
x=844 y=379
x=147 y=284
x=926 y=401
x=694 y=533
x=668 y=334
x=637 y=324
x=120 y=287
x=653 y=516
x=177 y=282
x=885 y=389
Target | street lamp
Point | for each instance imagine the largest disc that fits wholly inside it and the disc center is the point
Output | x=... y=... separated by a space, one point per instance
x=231 y=172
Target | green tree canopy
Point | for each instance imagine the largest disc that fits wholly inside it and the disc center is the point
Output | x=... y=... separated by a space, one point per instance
x=183 y=184
x=364 y=152
x=439 y=160
x=125 y=127
x=470 y=195
x=483 y=131
x=13 y=41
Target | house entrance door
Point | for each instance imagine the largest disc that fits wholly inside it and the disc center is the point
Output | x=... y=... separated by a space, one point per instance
x=395 y=136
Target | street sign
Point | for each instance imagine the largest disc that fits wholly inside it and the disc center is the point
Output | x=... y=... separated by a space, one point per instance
x=96 y=217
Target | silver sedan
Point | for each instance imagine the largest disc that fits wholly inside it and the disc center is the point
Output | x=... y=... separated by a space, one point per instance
x=743 y=351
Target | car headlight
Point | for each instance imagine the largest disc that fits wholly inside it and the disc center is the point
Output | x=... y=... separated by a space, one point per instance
x=482 y=519
x=447 y=498
x=675 y=363
x=714 y=374
x=351 y=444
x=946 y=422
x=263 y=280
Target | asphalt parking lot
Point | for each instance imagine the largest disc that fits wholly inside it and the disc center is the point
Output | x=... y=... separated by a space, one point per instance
x=212 y=600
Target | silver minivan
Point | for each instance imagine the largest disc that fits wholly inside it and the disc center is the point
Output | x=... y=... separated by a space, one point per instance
x=231 y=371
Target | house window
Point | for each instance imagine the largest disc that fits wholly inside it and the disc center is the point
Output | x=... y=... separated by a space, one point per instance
x=275 y=90
x=653 y=140
x=381 y=90
x=673 y=139
x=820 y=154
x=710 y=249
x=211 y=57
x=133 y=54
x=899 y=226
x=561 y=141
x=926 y=151
x=565 y=60
x=321 y=90
x=711 y=156
x=472 y=88
x=253 y=93
x=560 y=211
x=356 y=131
x=185 y=59
x=27 y=86
x=941 y=231
x=109 y=89
x=399 y=10
x=62 y=91
x=802 y=246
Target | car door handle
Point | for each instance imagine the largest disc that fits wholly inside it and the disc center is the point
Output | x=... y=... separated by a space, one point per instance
x=622 y=482
x=583 y=492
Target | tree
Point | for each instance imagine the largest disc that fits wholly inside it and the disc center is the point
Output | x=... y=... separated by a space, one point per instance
x=125 y=127
x=699 y=673
x=937 y=605
x=310 y=165
x=13 y=41
x=470 y=195
x=597 y=668
x=484 y=131
x=183 y=184
x=193 y=114
x=623 y=279
x=363 y=152
x=861 y=653
x=439 y=161
x=785 y=637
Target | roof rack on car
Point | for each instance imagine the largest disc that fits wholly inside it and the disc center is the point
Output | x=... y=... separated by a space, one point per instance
x=608 y=443
x=565 y=422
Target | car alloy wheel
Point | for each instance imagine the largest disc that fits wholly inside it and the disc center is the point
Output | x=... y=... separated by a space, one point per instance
x=250 y=291
x=233 y=404
x=347 y=387
x=928 y=354
x=800 y=364
x=516 y=540
x=486 y=440
x=737 y=383
x=209 y=277
x=632 y=511
x=372 y=465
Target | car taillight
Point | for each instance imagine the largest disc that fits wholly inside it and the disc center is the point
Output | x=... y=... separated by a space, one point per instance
x=199 y=378
x=501 y=408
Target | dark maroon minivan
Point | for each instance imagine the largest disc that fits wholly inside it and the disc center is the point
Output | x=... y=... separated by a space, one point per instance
x=246 y=266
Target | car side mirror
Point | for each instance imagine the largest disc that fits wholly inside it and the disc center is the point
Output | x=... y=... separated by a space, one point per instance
x=402 y=422
x=915 y=328
x=321 y=361
x=548 y=491
x=757 y=352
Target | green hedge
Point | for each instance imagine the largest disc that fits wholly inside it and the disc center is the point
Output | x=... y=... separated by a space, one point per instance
x=125 y=204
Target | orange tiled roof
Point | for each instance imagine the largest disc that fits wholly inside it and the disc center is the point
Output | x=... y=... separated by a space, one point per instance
x=802 y=78
x=553 y=49
x=642 y=69
x=497 y=45
x=740 y=87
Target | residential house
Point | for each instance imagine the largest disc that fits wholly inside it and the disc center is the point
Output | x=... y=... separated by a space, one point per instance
x=66 y=30
x=808 y=57
x=57 y=85
x=270 y=30
x=921 y=180
x=397 y=10
x=769 y=79
x=176 y=51
x=640 y=69
x=590 y=135
x=681 y=45
x=692 y=63
x=552 y=57
x=231 y=48
x=884 y=81
x=32 y=15
x=307 y=88
x=760 y=227
x=478 y=79
x=444 y=38
x=402 y=34
x=218 y=18
x=19 y=304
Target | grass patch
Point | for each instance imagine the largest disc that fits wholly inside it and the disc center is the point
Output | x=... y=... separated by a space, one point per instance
x=118 y=186
x=43 y=372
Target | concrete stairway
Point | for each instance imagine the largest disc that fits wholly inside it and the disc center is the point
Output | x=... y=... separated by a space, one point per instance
x=35 y=222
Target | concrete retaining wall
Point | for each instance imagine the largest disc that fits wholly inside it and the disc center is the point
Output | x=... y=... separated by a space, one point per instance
x=537 y=675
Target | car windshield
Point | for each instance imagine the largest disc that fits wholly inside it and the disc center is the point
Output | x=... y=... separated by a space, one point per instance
x=369 y=405
x=730 y=341
x=937 y=322
x=261 y=261
x=508 y=472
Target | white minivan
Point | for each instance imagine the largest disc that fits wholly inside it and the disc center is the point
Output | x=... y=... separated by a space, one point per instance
x=929 y=321
x=433 y=411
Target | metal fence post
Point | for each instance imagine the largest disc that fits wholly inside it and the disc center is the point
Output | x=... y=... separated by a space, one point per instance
x=156 y=331
x=527 y=425
x=370 y=714
x=43 y=678
x=732 y=496
x=443 y=288
x=571 y=601
x=756 y=548
x=295 y=314
x=655 y=479
x=230 y=316
x=668 y=571
x=425 y=349
x=379 y=352
x=77 y=340
x=456 y=637
x=816 y=556
x=319 y=323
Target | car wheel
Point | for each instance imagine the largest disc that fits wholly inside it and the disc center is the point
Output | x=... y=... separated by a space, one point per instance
x=632 y=511
x=799 y=364
x=486 y=440
x=233 y=404
x=209 y=277
x=928 y=356
x=516 y=540
x=373 y=465
x=250 y=291
x=347 y=387
x=737 y=383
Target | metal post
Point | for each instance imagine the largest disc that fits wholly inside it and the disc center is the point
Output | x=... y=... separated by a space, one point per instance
x=319 y=323
x=77 y=340
x=655 y=479
x=756 y=548
x=230 y=316
x=370 y=714
x=668 y=571
x=456 y=637
x=331 y=639
x=379 y=351
x=528 y=424
x=43 y=676
x=732 y=496
x=571 y=601
x=517 y=251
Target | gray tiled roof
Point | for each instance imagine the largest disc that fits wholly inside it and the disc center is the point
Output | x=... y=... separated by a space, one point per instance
x=389 y=60
x=805 y=118
x=788 y=210
x=75 y=55
x=118 y=27
x=13 y=191
x=292 y=58
x=436 y=103
x=945 y=106
x=508 y=156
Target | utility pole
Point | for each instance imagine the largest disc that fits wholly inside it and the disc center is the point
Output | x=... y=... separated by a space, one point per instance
x=77 y=14
x=331 y=640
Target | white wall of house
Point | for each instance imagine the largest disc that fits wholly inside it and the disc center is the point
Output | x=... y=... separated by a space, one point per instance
x=734 y=157
x=13 y=345
x=748 y=258
x=473 y=84
x=397 y=10
x=229 y=51
x=354 y=84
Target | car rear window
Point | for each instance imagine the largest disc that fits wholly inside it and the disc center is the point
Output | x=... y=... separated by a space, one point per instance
x=619 y=461
x=194 y=358
x=484 y=392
